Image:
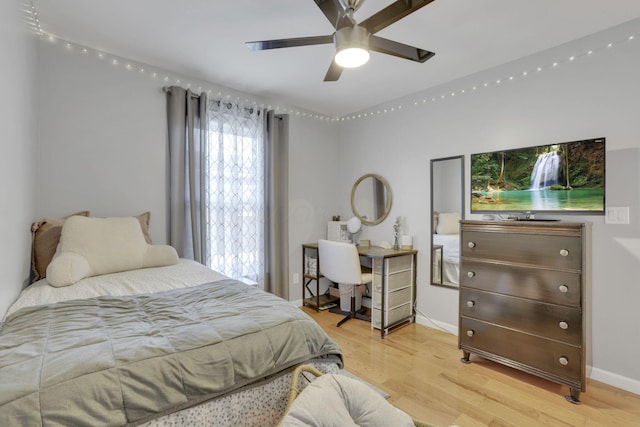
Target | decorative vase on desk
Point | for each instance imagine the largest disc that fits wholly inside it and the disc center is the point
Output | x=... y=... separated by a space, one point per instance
x=396 y=232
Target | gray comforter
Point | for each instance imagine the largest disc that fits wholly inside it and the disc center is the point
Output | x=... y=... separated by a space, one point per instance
x=120 y=360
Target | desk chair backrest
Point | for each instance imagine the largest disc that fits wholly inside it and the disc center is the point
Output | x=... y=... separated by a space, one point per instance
x=340 y=262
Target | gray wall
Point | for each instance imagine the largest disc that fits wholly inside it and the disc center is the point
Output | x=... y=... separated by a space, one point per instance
x=18 y=123
x=102 y=139
x=591 y=96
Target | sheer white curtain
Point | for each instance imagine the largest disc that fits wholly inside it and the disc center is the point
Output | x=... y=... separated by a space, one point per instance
x=236 y=184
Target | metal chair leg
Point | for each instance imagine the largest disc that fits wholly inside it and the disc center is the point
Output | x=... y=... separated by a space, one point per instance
x=353 y=313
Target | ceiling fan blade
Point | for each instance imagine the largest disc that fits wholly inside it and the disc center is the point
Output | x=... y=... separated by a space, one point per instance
x=280 y=43
x=392 y=13
x=335 y=13
x=333 y=73
x=378 y=44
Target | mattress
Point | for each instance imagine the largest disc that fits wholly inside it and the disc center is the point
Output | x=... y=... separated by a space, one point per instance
x=183 y=274
x=171 y=301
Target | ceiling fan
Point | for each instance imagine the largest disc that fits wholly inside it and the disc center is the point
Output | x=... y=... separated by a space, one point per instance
x=353 y=41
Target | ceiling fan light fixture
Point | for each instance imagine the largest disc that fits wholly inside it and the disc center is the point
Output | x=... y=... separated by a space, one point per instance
x=352 y=57
x=352 y=47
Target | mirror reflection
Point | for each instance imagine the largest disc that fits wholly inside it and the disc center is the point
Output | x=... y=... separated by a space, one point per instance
x=371 y=199
x=447 y=209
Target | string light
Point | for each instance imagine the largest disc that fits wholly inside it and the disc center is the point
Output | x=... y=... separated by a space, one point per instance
x=154 y=73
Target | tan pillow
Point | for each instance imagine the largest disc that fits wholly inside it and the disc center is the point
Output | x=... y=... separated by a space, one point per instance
x=45 y=235
x=144 y=219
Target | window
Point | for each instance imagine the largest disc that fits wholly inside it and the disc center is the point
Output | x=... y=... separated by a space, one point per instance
x=236 y=190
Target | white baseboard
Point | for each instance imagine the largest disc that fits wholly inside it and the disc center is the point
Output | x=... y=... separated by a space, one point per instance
x=614 y=380
x=436 y=324
x=297 y=303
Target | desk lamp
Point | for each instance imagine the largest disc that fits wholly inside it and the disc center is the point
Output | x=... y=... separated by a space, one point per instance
x=353 y=226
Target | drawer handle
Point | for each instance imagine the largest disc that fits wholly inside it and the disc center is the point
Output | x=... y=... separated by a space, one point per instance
x=470 y=274
x=563 y=361
x=471 y=245
x=470 y=332
x=471 y=303
x=563 y=325
x=564 y=252
x=563 y=288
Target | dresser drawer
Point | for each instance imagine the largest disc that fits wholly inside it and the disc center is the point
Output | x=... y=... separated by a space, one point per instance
x=394 y=315
x=557 y=287
x=536 y=318
x=547 y=358
x=562 y=252
x=393 y=264
x=393 y=299
x=393 y=281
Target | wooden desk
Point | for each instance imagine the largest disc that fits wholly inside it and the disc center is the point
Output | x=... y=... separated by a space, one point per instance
x=393 y=292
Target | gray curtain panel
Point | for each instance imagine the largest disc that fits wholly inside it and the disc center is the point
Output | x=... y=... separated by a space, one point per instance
x=276 y=278
x=188 y=188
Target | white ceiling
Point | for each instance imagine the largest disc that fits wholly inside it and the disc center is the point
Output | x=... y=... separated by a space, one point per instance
x=205 y=39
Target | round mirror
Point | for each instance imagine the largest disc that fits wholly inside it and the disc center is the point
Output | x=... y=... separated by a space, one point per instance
x=371 y=199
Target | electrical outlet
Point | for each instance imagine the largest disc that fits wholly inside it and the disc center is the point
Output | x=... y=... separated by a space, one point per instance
x=617 y=215
x=296 y=278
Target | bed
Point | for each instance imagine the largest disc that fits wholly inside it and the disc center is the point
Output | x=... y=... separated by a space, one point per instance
x=450 y=262
x=447 y=234
x=170 y=345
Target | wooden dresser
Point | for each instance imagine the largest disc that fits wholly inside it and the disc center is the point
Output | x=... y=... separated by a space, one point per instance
x=522 y=297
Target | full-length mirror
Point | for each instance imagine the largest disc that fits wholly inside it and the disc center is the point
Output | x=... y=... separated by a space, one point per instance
x=447 y=208
x=371 y=199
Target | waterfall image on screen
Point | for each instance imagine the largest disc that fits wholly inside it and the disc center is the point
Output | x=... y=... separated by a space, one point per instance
x=557 y=178
x=545 y=171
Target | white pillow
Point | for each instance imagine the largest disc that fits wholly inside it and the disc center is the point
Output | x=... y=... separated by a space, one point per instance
x=448 y=223
x=92 y=246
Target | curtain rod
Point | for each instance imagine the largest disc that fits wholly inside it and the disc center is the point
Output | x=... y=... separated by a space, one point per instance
x=167 y=89
x=228 y=104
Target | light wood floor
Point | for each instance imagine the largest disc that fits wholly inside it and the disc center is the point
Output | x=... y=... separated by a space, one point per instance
x=420 y=368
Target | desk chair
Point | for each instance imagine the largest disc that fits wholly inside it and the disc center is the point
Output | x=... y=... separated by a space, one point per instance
x=341 y=264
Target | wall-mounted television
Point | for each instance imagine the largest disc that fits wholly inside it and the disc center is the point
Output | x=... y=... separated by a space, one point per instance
x=565 y=178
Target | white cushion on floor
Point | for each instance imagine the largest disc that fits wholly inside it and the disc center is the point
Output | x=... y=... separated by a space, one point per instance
x=340 y=401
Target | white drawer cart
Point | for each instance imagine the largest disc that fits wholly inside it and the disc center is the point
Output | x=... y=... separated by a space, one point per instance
x=393 y=292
